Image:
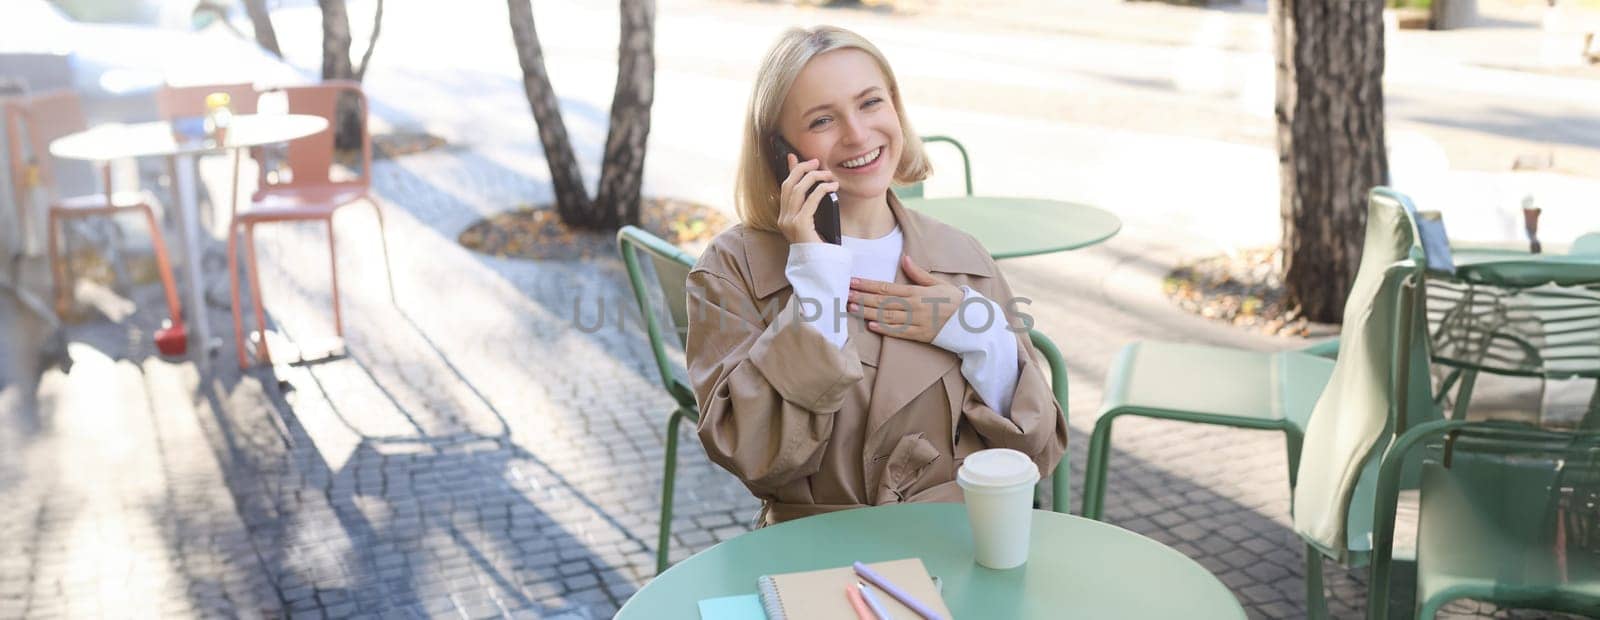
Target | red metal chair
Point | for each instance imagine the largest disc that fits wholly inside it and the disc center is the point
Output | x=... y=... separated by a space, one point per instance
x=43 y=118
x=306 y=191
x=174 y=102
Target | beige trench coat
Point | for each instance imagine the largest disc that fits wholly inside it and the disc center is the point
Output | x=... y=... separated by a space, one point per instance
x=811 y=428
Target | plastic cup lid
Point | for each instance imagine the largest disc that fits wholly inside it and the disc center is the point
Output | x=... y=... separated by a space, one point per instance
x=997 y=467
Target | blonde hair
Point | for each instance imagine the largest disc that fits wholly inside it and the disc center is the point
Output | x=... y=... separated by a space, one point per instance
x=756 y=191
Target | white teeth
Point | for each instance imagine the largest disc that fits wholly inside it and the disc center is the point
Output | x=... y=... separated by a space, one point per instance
x=864 y=159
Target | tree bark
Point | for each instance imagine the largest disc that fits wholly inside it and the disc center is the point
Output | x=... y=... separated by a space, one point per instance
x=266 y=35
x=622 y=173
x=572 y=200
x=1330 y=142
x=335 y=41
x=336 y=65
x=622 y=170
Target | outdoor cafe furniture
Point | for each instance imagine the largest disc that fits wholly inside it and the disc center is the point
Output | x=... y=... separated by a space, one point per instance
x=1513 y=525
x=1018 y=227
x=1077 y=568
x=1516 y=314
x=914 y=190
x=110 y=142
x=670 y=267
x=1332 y=412
x=43 y=118
x=309 y=192
x=1493 y=525
x=177 y=103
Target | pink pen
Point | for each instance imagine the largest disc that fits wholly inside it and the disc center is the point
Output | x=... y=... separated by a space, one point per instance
x=896 y=592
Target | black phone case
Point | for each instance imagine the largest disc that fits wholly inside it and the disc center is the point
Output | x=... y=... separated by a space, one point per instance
x=826 y=219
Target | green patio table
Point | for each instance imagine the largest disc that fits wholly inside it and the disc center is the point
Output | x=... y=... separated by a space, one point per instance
x=1517 y=314
x=1017 y=227
x=1078 y=568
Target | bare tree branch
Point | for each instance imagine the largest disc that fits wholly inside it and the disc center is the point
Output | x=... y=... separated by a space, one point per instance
x=372 y=42
x=266 y=35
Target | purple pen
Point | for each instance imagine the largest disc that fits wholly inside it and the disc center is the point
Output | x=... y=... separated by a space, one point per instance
x=896 y=592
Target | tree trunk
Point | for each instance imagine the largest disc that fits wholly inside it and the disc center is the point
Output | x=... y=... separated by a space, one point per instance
x=622 y=173
x=336 y=65
x=572 y=200
x=335 y=41
x=266 y=35
x=1330 y=143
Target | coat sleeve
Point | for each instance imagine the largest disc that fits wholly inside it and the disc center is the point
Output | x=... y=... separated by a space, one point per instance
x=767 y=391
x=1035 y=426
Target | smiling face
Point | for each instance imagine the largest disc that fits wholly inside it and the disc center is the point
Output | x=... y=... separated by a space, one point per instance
x=839 y=110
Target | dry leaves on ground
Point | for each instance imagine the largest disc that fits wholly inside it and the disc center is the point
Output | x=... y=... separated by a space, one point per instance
x=1244 y=289
x=536 y=232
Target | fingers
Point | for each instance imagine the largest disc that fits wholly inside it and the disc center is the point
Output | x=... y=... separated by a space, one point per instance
x=881 y=288
x=799 y=196
x=892 y=316
x=801 y=190
x=915 y=272
x=803 y=175
x=808 y=209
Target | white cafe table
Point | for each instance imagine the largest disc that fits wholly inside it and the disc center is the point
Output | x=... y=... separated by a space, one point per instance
x=114 y=141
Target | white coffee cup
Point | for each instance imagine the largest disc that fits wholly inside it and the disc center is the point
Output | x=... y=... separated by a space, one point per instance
x=998 y=484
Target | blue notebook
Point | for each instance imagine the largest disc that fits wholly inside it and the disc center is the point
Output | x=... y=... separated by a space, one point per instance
x=738 y=607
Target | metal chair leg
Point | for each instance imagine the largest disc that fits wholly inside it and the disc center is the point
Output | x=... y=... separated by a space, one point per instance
x=169 y=285
x=1316 y=597
x=252 y=267
x=58 y=273
x=383 y=238
x=669 y=474
x=333 y=273
x=233 y=289
x=1094 y=471
x=1464 y=395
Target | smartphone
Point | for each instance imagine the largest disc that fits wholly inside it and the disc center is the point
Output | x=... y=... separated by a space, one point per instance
x=826 y=219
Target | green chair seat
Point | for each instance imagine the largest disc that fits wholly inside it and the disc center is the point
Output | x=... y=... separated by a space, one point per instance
x=1487 y=532
x=1205 y=384
x=1208 y=384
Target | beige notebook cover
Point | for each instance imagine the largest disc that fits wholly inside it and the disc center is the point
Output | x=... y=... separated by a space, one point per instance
x=820 y=594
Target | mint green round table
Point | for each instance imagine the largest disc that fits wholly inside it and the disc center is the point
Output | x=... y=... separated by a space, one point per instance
x=1017 y=227
x=1077 y=568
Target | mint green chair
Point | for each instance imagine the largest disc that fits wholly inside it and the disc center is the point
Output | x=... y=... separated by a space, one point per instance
x=671 y=267
x=1061 y=478
x=914 y=190
x=1332 y=412
x=1515 y=528
x=1237 y=388
x=1378 y=384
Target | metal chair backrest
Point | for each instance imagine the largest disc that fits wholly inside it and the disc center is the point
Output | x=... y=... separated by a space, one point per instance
x=1061 y=478
x=1374 y=380
x=310 y=159
x=914 y=190
x=187 y=101
x=32 y=123
x=670 y=267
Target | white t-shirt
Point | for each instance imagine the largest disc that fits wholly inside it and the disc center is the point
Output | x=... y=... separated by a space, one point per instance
x=988 y=350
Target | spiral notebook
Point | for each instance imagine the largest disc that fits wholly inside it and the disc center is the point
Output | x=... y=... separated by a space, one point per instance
x=820 y=594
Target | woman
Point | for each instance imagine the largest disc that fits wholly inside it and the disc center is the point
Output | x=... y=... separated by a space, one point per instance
x=817 y=410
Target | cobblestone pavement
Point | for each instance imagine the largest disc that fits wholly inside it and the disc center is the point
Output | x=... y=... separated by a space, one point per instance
x=475 y=453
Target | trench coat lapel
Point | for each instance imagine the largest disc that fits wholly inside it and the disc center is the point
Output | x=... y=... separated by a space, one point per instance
x=906 y=368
